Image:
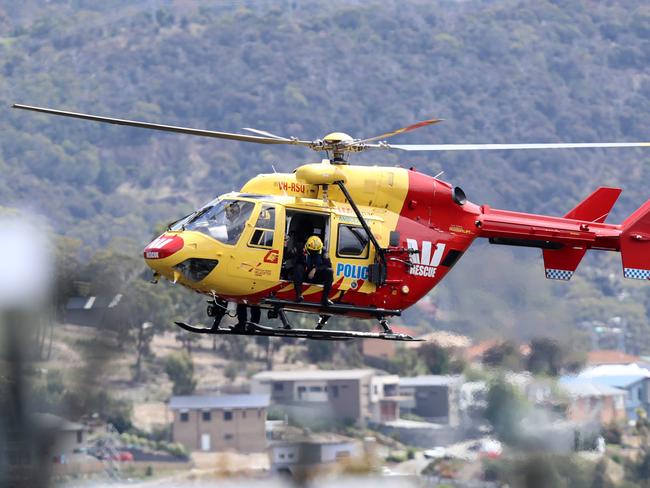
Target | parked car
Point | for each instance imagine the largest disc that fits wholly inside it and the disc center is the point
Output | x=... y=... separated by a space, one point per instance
x=435 y=453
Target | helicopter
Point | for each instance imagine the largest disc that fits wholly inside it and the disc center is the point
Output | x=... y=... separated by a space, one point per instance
x=391 y=233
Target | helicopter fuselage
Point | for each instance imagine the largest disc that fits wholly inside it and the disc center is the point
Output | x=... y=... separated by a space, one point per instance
x=423 y=224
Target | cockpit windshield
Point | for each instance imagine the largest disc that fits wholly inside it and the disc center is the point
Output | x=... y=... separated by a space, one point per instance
x=223 y=220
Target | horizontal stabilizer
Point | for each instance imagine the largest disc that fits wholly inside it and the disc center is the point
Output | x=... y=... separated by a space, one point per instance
x=635 y=244
x=596 y=207
x=560 y=264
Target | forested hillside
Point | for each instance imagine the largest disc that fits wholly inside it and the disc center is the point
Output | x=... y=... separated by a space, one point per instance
x=496 y=71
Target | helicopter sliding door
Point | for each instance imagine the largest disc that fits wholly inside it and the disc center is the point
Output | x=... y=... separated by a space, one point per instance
x=256 y=265
x=300 y=225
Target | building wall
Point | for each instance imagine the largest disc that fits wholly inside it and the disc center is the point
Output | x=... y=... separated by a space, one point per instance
x=245 y=432
x=431 y=401
x=605 y=409
x=339 y=452
x=354 y=400
x=65 y=442
x=346 y=400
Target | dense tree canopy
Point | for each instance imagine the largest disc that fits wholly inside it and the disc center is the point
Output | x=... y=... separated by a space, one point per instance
x=496 y=71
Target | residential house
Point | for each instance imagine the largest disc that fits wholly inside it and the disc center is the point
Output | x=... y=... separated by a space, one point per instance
x=356 y=396
x=220 y=423
x=305 y=452
x=64 y=437
x=629 y=377
x=92 y=311
x=435 y=398
x=591 y=401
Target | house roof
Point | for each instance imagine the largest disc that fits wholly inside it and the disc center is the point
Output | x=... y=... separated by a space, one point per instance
x=618 y=375
x=430 y=380
x=50 y=421
x=618 y=381
x=476 y=351
x=290 y=438
x=221 y=401
x=610 y=356
x=315 y=375
x=585 y=388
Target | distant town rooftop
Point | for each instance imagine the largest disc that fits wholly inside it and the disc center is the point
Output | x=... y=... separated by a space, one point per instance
x=586 y=388
x=609 y=356
x=50 y=421
x=316 y=375
x=430 y=380
x=618 y=375
x=311 y=438
x=221 y=401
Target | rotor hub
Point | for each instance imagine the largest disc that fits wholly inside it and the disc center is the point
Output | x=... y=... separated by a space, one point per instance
x=337 y=137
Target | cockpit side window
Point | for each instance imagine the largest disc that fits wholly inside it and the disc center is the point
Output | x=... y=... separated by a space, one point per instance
x=264 y=228
x=224 y=221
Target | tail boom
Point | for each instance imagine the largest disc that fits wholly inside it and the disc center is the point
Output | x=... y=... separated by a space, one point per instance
x=565 y=240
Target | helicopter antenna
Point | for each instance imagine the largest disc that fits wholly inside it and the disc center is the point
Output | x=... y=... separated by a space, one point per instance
x=440 y=174
x=273 y=168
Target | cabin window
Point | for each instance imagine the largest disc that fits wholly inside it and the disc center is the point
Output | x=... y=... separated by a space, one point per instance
x=185 y=417
x=227 y=416
x=206 y=415
x=352 y=242
x=264 y=228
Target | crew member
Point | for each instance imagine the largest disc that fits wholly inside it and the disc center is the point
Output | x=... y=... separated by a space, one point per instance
x=317 y=268
x=235 y=225
x=242 y=316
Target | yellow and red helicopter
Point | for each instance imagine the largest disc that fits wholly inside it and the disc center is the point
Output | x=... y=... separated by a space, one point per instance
x=392 y=234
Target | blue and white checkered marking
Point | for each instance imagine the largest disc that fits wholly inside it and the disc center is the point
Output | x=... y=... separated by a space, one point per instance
x=558 y=274
x=636 y=274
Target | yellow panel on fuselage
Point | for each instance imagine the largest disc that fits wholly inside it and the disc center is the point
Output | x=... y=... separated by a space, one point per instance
x=245 y=270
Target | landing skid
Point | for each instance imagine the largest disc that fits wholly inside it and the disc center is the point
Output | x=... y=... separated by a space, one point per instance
x=262 y=330
x=335 y=308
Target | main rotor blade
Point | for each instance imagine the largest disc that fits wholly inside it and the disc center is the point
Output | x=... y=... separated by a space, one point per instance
x=265 y=133
x=409 y=128
x=494 y=147
x=166 y=128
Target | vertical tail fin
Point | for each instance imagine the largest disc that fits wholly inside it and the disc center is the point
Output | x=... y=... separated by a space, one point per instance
x=560 y=264
x=596 y=207
x=635 y=244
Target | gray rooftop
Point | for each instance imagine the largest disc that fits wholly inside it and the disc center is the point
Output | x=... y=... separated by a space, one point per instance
x=50 y=421
x=221 y=401
x=315 y=375
x=590 y=389
x=430 y=380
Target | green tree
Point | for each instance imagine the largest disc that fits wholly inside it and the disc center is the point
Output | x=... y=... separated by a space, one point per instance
x=180 y=369
x=546 y=357
x=504 y=355
x=319 y=351
x=506 y=408
x=435 y=358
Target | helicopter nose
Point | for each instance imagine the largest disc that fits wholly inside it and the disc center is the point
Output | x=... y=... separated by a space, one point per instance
x=163 y=247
